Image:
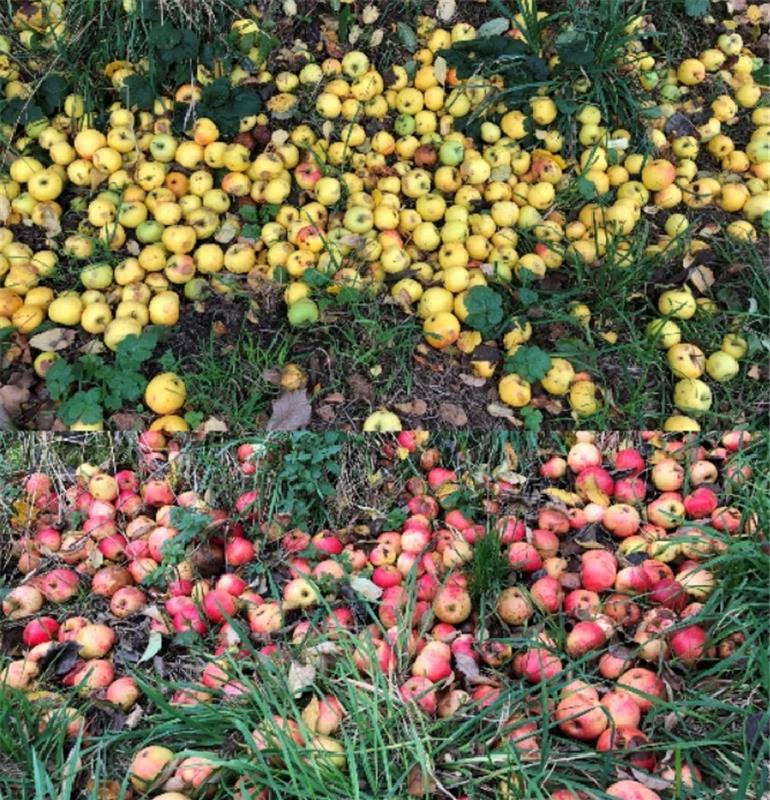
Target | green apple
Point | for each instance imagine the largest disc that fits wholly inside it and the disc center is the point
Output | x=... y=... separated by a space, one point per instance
x=451 y=153
x=722 y=367
x=149 y=231
x=404 y=125
x=303 y=312
x=96 y=276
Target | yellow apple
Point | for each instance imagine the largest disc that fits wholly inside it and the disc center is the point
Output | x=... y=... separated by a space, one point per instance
x=66 y=309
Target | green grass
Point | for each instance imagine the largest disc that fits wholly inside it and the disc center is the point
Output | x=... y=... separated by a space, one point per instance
x=714 y=719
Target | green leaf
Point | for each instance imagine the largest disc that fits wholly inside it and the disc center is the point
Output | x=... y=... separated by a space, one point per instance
x=586 y=188
x=533 y=418
x=406 y=36
x=251 y=231
x=58 y=379
x=18 y=111
x=138 y=91
x=485 y=310
x=83 y=406
x=134 y=350
x=217 y=92
x=493 y=27
x=528 y=297
x=249 y=213
x=51 y=92
x=574 y=48
x=696 y=8
x=530 y=363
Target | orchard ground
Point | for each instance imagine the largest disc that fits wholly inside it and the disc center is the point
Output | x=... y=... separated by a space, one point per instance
x=505 y=737
x=561 y=294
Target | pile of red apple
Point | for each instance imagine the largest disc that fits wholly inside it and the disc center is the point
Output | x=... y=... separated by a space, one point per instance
x=617 y=548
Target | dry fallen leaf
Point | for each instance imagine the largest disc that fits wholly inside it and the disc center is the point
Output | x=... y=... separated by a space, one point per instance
x=503 y=412
x=453 y=414
x=415 y=408
x=212 y=425
x=300 y=677
x=5 y=209
x=360 y=387
x=370 y=14
x=366 y=588
x=291 y=411
x=701 y=278
x=472 y=380
x=326 y=412
x=377 y=37
x=445 y=9
x=440 y=69
x=54 y=339
x=12 y=398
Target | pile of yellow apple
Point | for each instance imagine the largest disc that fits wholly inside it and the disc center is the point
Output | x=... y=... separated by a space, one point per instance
x=416 y=208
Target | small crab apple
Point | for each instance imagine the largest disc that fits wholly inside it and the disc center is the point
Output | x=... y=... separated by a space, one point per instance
x=149 y=766
x=631 y=790
x=514 y=606
x=554 y=468
x=643 y=685
x=581 y=716
x=688 y=644
x=95 y=640
x=123 y=693
x=584 y=637
x=630 y=741
x=630 y=460
x=622 y=709
x=23 y=601
x=598 y=569
x=582 y=455
x=621 y=520
x=547 y=594
x=420 y=690
x=40 y=630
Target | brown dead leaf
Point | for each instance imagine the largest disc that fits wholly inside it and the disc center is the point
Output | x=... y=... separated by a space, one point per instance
x=326 y=412
x=126 y=421
x=453 y=414
x=702 y=278
x=49 y=221
x=473 y=381
x=360 y=387
x=335 y=397
x=291 y=411
x=211 y=425
x=415 y=408
x=12 y=398
x=753 y=373
x=504 y=412
x=272 y=376
x=54 y=339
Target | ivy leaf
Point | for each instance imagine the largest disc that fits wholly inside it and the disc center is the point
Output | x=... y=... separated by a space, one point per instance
x=138 y=91
x=51 y=92
x=529 y=363
x=18 y=111
x=485 y=310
